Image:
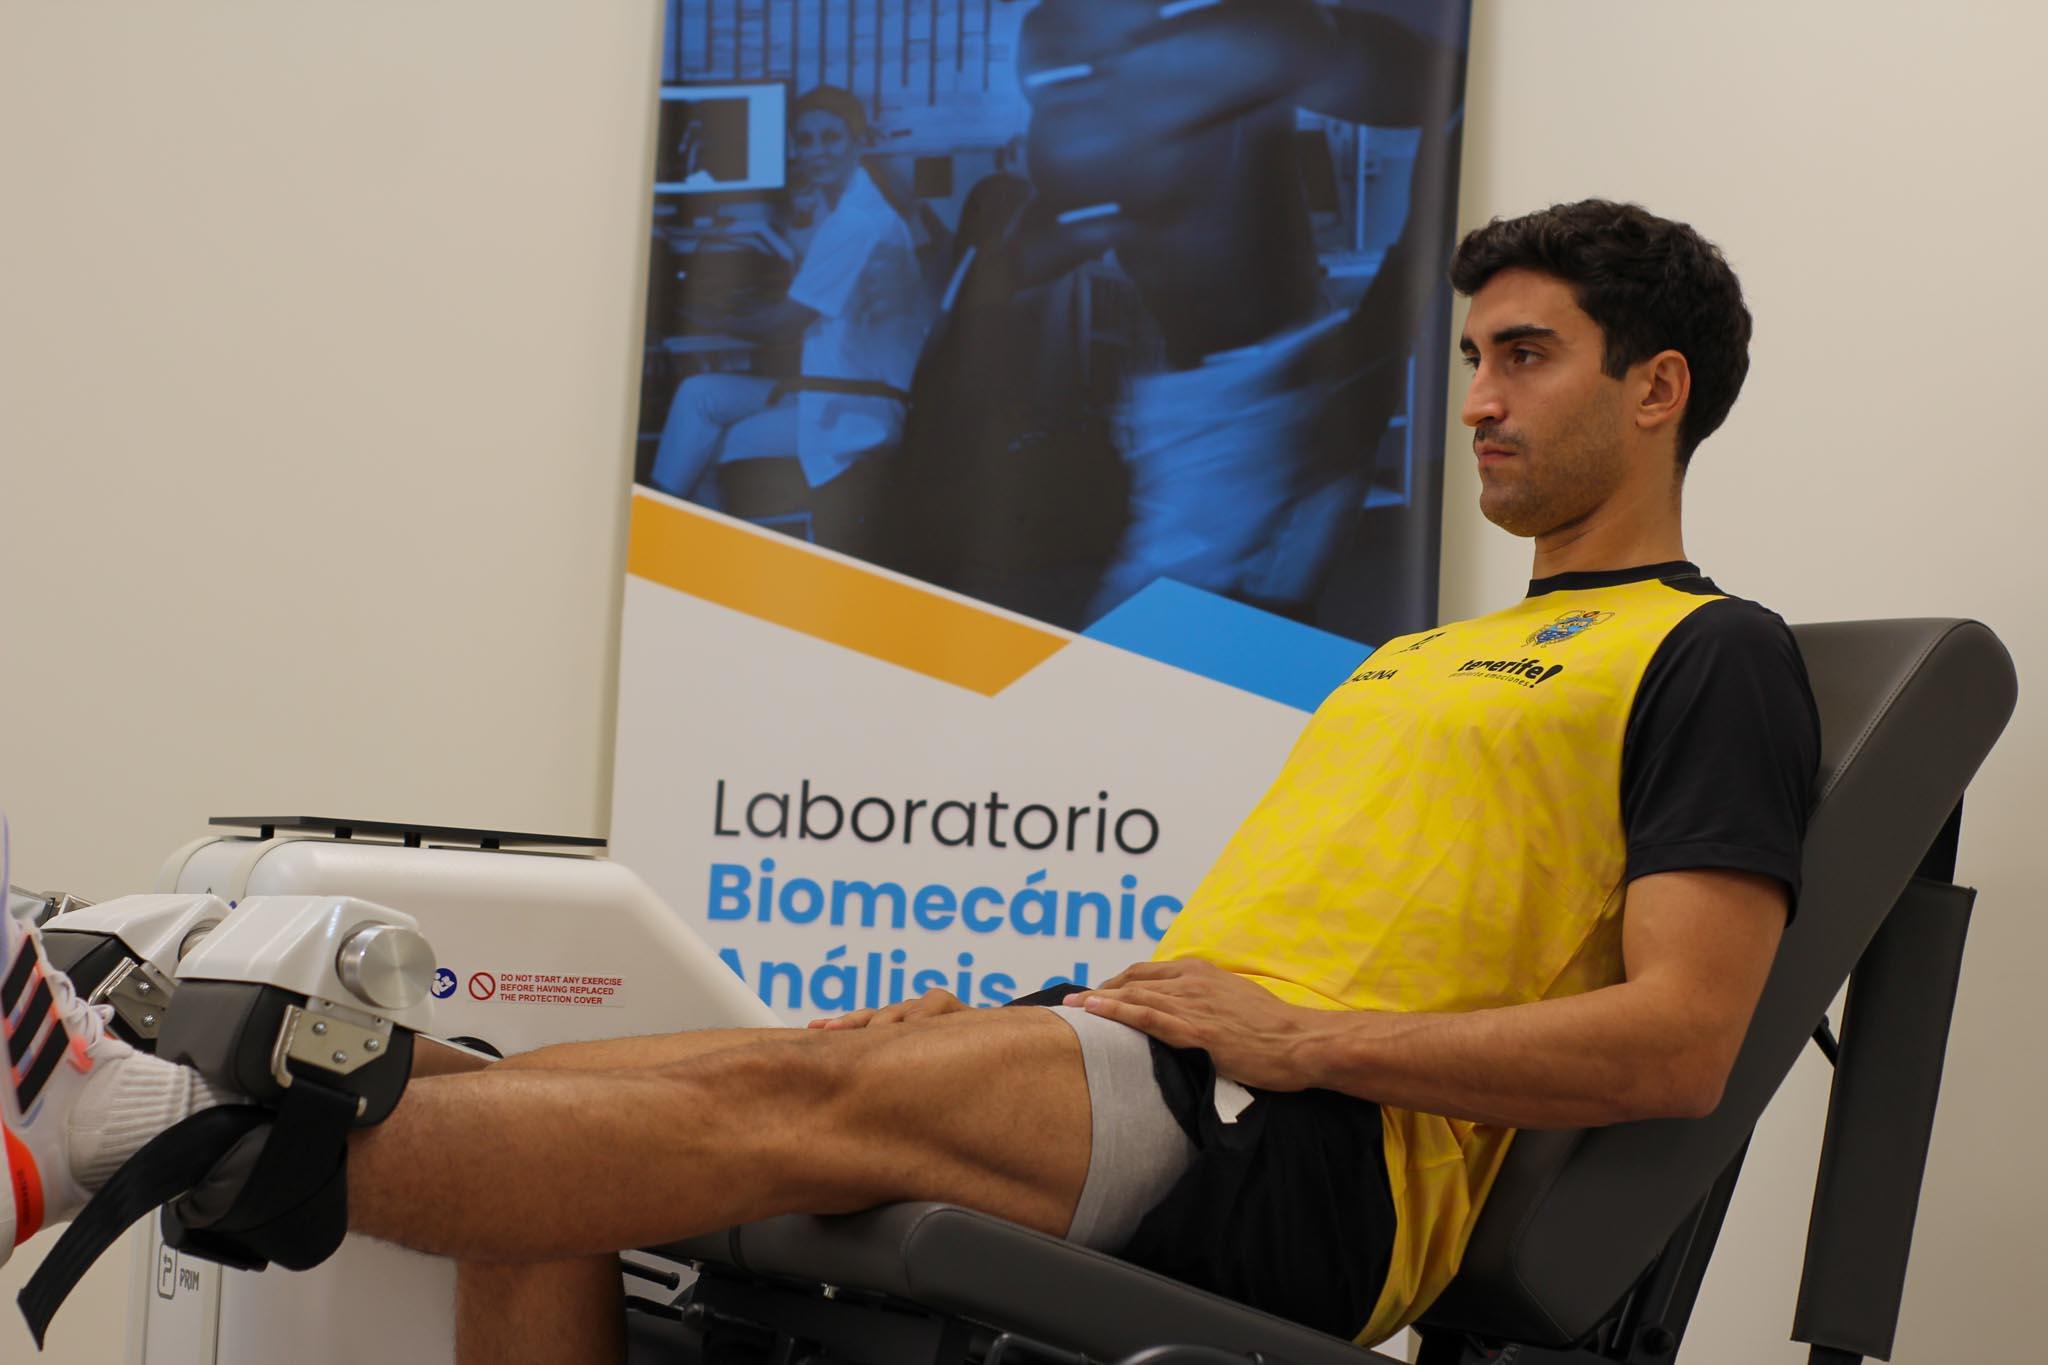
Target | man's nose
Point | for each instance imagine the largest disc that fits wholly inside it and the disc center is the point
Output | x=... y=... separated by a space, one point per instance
x=1483 y=401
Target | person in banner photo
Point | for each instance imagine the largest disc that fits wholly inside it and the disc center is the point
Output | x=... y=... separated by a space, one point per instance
x=852 y=303
x=1168 y=265
x=1171 y=141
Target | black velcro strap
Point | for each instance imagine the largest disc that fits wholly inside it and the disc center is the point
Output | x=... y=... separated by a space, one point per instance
x=169 y=1164
x=292 y=1206
x=308 y=1137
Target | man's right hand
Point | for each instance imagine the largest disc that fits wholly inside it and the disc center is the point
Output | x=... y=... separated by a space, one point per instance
x=927 y=1006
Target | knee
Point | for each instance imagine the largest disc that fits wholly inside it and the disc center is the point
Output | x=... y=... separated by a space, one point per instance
x=705 y=396
x=809 y=1084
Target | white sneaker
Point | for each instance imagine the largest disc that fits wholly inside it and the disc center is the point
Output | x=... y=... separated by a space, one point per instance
x=53 y=1040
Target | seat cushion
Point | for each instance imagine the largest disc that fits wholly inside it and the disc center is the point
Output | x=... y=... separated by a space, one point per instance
x=973 y=1265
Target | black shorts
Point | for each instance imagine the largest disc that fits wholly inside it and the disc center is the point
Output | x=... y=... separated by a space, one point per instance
x=1287 y=1210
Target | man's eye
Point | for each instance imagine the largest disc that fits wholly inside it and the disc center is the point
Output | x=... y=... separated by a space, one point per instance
x=1522 y=355
x=1470 y=361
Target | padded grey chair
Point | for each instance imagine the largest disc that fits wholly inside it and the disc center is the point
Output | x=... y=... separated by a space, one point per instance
x=1593 y=1244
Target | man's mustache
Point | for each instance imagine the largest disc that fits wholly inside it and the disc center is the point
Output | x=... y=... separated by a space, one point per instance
x=1489 y=435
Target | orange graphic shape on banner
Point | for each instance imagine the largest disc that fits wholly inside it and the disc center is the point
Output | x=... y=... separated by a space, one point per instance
x=786 y=582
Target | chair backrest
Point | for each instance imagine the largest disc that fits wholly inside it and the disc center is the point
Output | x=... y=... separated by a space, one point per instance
x=1908 y=711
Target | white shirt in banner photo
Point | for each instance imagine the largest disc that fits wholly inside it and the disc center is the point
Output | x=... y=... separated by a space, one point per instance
x=860 y=276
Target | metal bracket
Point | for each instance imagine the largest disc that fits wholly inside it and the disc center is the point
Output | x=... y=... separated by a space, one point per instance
x=139 y=994
x=54 y=903
x=330 y=1038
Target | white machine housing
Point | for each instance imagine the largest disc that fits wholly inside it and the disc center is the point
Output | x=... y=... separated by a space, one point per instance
x=157 y=928
x=155 y=932
x=296 y=944
x=533 y=948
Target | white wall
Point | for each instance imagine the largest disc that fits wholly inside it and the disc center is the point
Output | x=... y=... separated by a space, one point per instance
x=318 y=330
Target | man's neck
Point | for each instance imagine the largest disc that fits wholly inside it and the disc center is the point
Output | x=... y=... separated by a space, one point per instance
x=1625 y=531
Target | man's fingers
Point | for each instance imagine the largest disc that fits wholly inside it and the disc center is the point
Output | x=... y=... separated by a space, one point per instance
x=1145 y=971
x=1138 y=995
x=1151 y=997
x=930 y=1003
x=1165 y=1027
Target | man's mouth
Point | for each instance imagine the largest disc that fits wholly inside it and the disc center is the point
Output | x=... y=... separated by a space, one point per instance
x=1491 y=453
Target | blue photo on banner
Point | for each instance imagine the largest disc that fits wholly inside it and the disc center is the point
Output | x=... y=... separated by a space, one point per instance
x=1045 y=301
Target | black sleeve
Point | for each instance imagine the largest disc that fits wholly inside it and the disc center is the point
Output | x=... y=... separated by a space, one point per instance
x=1722 y=747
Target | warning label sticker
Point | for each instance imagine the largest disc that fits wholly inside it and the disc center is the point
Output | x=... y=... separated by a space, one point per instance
x=550 y=988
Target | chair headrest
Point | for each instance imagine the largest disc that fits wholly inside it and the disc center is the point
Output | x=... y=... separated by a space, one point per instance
x=1908 y=710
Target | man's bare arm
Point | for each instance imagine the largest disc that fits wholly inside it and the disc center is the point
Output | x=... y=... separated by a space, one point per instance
x=1697 y=945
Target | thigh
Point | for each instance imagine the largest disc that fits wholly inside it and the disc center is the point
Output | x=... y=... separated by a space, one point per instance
x=768 y=432
x=724 y=399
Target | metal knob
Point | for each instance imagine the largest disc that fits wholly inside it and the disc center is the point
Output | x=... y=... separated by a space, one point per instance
x=386 y=966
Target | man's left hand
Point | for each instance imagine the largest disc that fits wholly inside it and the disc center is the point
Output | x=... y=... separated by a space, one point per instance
x=1253 y=1036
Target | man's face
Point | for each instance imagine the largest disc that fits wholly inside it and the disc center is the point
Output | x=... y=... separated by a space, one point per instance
x=1548 y=427
x=824 y=153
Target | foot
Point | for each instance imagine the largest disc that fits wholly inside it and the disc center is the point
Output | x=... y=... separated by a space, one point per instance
x=54 y=1042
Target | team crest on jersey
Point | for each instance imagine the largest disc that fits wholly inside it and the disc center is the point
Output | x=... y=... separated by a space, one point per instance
x=1566 y=626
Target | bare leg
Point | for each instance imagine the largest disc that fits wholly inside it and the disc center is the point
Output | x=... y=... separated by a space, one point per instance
x=568 y=1311
x=558 y=1312
x=988 y=1109
x=653 y=1049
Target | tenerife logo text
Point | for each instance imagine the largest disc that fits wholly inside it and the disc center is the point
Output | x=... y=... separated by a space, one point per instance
x=1524 y=672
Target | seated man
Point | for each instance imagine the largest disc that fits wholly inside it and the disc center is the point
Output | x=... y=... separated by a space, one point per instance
x=1527 y=870
x=855 y=303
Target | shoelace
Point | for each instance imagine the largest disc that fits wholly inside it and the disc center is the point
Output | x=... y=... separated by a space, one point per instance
x=87 y=1022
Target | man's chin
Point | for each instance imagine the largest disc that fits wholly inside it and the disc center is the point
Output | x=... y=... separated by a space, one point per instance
x=1517 y=519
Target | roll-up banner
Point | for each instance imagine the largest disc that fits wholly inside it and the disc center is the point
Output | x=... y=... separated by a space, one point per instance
x=1042 y=410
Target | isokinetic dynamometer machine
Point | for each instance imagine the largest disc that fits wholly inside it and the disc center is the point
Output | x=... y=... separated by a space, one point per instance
x=534 y=940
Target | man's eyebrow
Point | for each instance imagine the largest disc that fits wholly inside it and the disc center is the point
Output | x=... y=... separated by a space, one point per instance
x=1523 y=331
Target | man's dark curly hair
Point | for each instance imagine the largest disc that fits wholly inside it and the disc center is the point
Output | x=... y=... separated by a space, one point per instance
x=1651 y=284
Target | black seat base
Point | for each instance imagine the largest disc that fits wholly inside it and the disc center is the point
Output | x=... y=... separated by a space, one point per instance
x=984 y=1289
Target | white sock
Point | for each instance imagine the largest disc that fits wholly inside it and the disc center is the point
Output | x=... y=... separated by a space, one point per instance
x=128 y=1101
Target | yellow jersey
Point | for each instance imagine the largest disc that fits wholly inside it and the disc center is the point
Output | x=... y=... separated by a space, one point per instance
x=1447 y=835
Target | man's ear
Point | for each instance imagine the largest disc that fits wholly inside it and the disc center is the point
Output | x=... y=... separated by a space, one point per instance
x=1664 y=387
